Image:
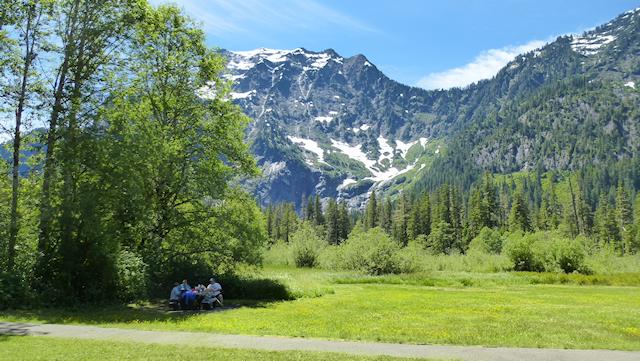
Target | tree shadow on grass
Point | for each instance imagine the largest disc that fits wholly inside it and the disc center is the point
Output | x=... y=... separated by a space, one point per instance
x=238 y=292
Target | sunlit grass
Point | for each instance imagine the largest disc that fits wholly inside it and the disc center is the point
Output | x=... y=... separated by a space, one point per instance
x=18 y=348
x=492 y=309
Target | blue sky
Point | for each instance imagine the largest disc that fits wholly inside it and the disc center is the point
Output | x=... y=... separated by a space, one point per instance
x=433 y=44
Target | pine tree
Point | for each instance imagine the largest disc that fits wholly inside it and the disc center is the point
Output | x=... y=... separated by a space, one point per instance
x=318 y=216
x=419 y=222
x=386 y=214
x=269 y=221
x=442 y=211
x=399 y=220
x=308 y=213
x=519 y=216
x=344 y=222
x=332 y=229
x=455 y=207
x=636 y=245
x=607 y=227
x=585 y=214
x=549 y=212
x=371 y=213
x=624 y=215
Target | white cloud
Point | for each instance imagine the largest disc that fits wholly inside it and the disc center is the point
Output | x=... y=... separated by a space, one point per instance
x=484 y=66
x=223 y=17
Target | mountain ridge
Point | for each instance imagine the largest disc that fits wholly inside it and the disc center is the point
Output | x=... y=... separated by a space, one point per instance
x=339 y=127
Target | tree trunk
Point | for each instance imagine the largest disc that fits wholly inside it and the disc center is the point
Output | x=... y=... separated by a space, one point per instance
x=15 y=189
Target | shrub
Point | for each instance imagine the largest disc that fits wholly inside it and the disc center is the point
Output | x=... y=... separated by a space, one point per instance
x=546 y=251
x=306 y=246
x=570 y=256
x=372 y=252
x=487 y=241
x=519 y=249
x=254 y=288
x=13 y=291
x=132 y=280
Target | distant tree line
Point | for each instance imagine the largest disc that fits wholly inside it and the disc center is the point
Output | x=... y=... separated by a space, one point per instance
x=602 y=205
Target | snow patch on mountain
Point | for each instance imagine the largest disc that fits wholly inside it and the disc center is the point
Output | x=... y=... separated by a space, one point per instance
x=244 y=95
x=245 y=60
x=309 y=145
x=404 y=147
x=590 y=44
x=345 y=183
x=356 y=153
x=630 y=84
x=386 y=151
x=323 y=119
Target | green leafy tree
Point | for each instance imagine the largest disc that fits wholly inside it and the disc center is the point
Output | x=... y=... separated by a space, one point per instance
x=72 y=245
x=23 y=88
x=171 y=144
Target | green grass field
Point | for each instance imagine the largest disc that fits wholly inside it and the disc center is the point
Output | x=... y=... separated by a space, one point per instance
x=18 y=348
x=493 y=309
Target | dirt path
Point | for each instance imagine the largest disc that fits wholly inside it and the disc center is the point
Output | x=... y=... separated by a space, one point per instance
x=305 y=344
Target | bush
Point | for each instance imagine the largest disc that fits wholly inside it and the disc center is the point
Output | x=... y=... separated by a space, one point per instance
x=372 y=252
x=570 y=256
x=545 y=251
x=132 y=280
x=520 y=250
x=306 y=246
x=13 y=291
x=487 y=241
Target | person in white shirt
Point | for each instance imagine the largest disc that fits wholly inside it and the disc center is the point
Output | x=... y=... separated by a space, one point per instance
x=216 y=289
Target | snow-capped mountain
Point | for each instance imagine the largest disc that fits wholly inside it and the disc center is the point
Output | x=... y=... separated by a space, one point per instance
x=329 y=125
x=337 y=126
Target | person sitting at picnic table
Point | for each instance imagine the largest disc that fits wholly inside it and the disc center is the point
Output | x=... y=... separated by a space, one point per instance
x=217 y=290
x=188 y=296
x=175 y=296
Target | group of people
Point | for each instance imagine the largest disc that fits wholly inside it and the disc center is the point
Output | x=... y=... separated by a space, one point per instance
x=186 y=298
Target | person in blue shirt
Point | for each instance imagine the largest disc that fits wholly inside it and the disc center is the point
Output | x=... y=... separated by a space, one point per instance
x=188 y=296
x=175 y=296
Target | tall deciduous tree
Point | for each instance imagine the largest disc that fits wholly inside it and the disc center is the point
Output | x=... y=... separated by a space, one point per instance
x=175 y=142
x=30 y=19
x=89 y=33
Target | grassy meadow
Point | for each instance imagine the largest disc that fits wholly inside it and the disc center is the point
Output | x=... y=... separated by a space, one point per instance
x=515 y=309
